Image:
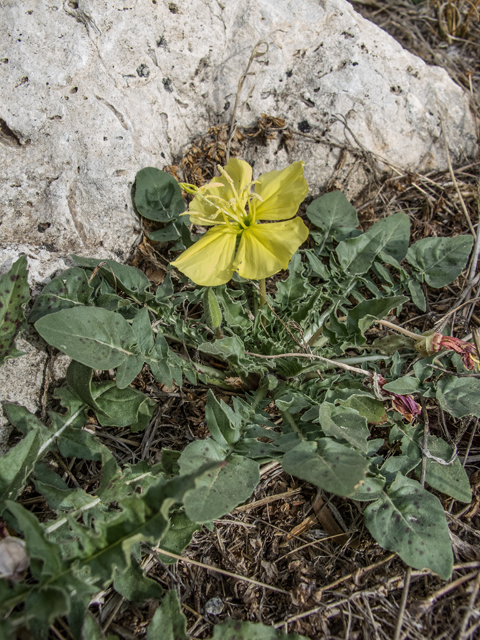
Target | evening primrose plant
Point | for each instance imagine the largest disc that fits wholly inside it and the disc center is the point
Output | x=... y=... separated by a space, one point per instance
x=346 y=390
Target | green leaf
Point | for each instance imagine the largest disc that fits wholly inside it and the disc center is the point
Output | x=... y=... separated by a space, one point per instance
x=45 y=604
x=231 y=349
x=451 y=479
x=68 y=290
x=77 y=443
x=65 y=430
x=178 y=536
x=17 y=465
x=403 y=464
x=79 y=381
x=122 y=277
x=213 y=313
x=390 y=235
x=141 y=518
x=234 y=312
x=57 y=493
x=165 y=291
x=14 y=295
x=403 y=386
x=168 y=623
x=132 y=365
x=396 y=230
x=158 y=195
x=418 y=297
x=332 y=211
x=367 y=406
x=6 y=628
x=122 y=407
x=223 y=423
x=411 y=522
x=238 y=630
x=361 y=317
x=459 y=396
x=316 y=265
x=327 y=464
x=370 y=489
x=22 y=419
x=440 y=260
x=37 y=545
x=295 y=287
x=222 y=489
x=91 y=630
x=134 y=585
x=343 y=423
x=95 y=337
x=392 y=343
x=172 y=231
x=164 y=363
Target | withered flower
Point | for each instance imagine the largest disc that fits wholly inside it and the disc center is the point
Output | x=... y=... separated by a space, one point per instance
x=435 y=342
x=405 y=405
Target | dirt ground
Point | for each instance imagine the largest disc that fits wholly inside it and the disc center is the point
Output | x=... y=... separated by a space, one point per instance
x=331 y=579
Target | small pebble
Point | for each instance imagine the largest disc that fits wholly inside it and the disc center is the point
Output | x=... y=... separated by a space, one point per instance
x=13 y=558
x=214 y=606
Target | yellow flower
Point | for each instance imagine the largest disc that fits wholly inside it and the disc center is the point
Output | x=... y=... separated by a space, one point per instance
x=236 y=241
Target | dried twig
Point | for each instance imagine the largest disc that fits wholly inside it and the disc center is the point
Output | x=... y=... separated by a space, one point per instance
x=257 y=583
x=312 y=356
x=454 y=180
x=329 y=587
x=260 y=49
x=470 y=610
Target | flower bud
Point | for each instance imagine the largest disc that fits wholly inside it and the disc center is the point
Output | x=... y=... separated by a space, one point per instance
x=429 y=344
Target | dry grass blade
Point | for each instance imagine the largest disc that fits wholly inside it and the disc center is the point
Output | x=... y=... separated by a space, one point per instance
x=257 y=583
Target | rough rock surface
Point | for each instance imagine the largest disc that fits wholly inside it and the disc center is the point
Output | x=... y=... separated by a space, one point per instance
x=94 y=90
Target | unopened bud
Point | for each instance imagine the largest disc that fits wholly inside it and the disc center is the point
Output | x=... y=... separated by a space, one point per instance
x=429 y=344
x=13 y=558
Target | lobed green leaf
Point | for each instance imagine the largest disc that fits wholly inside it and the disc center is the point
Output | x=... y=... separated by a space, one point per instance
x=14 y=295
x=68 y=290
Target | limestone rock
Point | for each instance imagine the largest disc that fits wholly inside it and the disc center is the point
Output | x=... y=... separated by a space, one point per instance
x=95 y=90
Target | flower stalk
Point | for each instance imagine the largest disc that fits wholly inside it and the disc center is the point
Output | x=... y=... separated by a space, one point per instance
x=263 y=292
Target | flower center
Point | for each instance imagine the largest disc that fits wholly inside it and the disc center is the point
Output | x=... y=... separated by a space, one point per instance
x=236 y=213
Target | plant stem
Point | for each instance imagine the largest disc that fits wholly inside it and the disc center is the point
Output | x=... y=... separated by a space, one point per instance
x=395 y=327
x=291 y=421
x=263 y=292
x=260 y=394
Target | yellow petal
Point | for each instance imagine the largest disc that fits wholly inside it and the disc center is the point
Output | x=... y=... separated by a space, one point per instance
x=281 y=192
x=241 y=174
x=209 y=262
x=264 y=249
